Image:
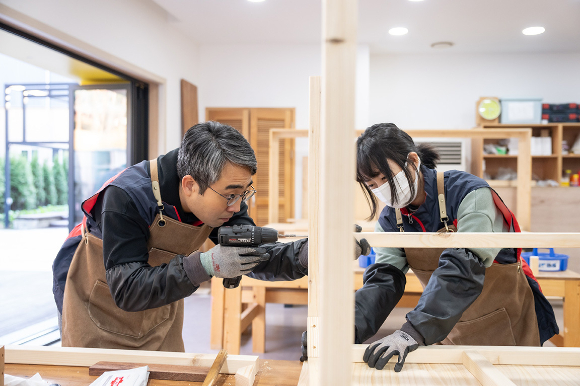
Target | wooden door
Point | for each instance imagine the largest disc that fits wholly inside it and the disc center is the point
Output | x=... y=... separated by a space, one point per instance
x=261 y=121
x=238 y=118
x=255 y=125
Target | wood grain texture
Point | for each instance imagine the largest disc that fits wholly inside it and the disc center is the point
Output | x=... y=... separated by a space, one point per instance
x=259 y=322
x=337 y=169
x=167 y=372
x=472 y=240
x=483 y=370
x=214 y=371
x=246 y=375
x=75 y=356
x=232 y=320
x=313 y=194
x=189 y=108
x=2 y=366
x=541 y=375
x=216 y=337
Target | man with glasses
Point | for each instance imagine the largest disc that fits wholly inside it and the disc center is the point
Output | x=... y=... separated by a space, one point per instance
x=135 y=256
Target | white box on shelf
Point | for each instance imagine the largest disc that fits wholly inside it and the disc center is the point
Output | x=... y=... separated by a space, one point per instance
x=521 y=110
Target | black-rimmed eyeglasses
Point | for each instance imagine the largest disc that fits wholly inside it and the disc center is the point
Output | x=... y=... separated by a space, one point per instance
x=233 y=198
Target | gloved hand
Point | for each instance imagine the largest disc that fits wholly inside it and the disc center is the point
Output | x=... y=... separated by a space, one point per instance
x=399 y=342
x=361 y=247
x=229 y=262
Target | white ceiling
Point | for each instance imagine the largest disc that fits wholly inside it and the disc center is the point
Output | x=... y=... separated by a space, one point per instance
x=473 y=26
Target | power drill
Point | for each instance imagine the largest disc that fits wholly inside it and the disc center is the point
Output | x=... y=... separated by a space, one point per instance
x=244 y=236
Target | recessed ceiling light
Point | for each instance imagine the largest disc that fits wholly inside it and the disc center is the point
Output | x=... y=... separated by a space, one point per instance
x=397 y=31
x=415 y=0
x=440 y=45
x=533 y=30
x=256 y=1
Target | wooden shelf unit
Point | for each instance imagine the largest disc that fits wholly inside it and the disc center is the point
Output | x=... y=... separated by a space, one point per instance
x=543 y=166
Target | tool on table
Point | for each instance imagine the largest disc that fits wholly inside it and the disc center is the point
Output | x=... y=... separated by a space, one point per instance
x=214 y=371
x=246 y=236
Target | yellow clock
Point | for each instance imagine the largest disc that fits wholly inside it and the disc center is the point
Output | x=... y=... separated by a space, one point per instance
x=488 y=110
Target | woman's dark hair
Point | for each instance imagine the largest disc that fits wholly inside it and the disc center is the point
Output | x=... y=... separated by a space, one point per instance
x=382 y=142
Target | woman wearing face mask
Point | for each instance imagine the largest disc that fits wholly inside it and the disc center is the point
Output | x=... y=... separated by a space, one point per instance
x=472 y=296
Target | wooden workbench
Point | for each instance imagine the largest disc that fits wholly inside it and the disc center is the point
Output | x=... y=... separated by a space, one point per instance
x=228 y=319
x=270 y=373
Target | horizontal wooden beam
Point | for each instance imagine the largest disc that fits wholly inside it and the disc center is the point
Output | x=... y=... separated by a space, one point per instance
x=483 y=370
x=74 y=356
x=471 y=240
x=497 y=355
x=249 y=314
x=288 y=133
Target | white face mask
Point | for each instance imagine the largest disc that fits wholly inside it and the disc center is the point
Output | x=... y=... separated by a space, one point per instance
x=403 y=188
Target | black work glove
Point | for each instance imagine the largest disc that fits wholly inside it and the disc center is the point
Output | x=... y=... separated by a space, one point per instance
x=361 y=247
x=304 y=347
x=399 y=342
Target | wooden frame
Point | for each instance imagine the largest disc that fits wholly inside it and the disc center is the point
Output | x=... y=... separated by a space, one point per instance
x=523 y=187
x=243 y=366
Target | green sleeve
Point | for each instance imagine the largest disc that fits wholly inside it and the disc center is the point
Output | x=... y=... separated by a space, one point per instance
x=394 y=256
x=478 y=213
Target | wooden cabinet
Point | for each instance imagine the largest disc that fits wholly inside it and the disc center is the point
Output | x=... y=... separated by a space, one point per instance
x=544 y=167
x=255 y=125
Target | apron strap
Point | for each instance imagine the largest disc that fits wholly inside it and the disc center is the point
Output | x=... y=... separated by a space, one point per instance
x=399 y=220
x=155 y=186
x=441 y=199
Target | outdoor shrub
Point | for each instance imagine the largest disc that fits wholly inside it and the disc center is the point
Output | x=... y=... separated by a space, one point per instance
x=49 y=186
x=60 y=181
x=22 y=189
x=38 y=180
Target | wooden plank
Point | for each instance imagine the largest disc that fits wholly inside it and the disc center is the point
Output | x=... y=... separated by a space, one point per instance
x=232 y=322
x=2 y=366
x=167 y=372
x=472 y=240
x=337 y=168
x=298 y=283
x=248 y=315
x=504 y=355
x=246 y=375
x=313 y=194
x=313 y=336
x=304 y=376
x=273 y=178
x=557 y=340
x=76 y=356
x=572 y=314
x=214 y=371
x=524 y=188
x=189 y=109
x=259 y=322
x=282 y=296
x=216 y=336
x=483 y=370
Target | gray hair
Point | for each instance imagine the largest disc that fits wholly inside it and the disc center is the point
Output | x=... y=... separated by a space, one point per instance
x=205 y=149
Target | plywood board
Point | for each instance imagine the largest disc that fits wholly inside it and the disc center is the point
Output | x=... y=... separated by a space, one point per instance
x=167 y=372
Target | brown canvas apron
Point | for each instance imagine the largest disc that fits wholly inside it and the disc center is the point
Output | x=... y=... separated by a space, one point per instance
x=90 y=317
x=502 y=315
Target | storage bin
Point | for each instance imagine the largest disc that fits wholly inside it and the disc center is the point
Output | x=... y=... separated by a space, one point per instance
x=366 y=260
x=548 y=261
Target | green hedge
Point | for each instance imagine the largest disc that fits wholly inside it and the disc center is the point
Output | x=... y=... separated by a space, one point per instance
x=33 y=185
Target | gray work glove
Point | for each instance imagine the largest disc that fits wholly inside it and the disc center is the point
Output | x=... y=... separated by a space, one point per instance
x=361 y=247
x=229 y=262
x=399 y=342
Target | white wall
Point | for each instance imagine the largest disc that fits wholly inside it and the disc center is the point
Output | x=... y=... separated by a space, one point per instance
x=272 y=76
x=440 y=90
x=136 y=31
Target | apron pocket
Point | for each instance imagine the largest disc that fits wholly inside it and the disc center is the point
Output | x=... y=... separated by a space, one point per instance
x=107 y=316
x=493 y=329
x=159 y=256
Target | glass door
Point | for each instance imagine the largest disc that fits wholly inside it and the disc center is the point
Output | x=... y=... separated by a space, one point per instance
x=100 y=118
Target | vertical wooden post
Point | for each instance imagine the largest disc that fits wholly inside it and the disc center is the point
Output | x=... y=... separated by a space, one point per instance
x=2 y=366
x=313 y=215
x=216 y=336
x=232 y=320
x=524 y=189
x=273 y=179
x=259 y=322
x=337 y=171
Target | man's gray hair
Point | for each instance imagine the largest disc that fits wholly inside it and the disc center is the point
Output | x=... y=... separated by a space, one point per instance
x=205 y=149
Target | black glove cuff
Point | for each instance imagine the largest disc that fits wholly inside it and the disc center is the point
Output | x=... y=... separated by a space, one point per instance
x=303 y=255
x=409 y=329
x=194 y=269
